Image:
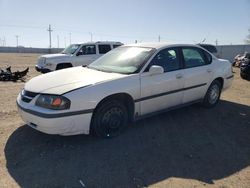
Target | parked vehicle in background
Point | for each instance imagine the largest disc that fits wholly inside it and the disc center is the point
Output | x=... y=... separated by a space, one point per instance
x=211 y=48
x=74 y=55
x=245 y=67
x=239 y=59
x=126 y=84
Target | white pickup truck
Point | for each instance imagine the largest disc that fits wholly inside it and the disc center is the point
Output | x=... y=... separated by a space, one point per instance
x=74 y=55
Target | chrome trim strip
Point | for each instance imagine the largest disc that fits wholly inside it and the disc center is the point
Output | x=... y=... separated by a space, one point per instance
x=168 y=93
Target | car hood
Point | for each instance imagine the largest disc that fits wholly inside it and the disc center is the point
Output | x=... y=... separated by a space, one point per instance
x=65 y=80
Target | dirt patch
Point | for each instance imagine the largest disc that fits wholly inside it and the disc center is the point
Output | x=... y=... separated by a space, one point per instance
x=189 y=147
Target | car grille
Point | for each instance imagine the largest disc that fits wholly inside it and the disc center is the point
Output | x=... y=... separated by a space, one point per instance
x=41 y=61
x=27 y=96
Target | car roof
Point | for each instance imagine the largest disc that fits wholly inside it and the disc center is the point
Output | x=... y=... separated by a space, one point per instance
x=159 y=45
x=100 y=42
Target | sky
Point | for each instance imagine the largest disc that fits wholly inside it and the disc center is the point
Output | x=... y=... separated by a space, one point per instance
x=75 y=21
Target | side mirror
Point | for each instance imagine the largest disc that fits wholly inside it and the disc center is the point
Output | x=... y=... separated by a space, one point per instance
x=155 y=69
x=79 y=53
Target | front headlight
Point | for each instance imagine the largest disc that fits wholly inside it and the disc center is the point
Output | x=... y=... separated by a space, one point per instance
x=54 y=102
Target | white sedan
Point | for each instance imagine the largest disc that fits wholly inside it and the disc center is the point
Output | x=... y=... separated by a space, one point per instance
x=126 y=84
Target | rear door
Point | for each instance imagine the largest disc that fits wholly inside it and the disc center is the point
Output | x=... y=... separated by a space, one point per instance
x=198 y=73
x=161 y=91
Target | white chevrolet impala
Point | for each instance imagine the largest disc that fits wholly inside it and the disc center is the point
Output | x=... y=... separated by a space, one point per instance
x=126 y=84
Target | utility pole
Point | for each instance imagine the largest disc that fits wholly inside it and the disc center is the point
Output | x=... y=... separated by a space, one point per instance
x=50 y=30
x=216 y=42
x=58 y=41
x=159 y=38
x=4 y=41
x=69 y=38
x=91 y=36
x=17 y=40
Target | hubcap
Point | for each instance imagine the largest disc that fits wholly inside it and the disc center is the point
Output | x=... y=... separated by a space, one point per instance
x=214 y=94
x=112 y=121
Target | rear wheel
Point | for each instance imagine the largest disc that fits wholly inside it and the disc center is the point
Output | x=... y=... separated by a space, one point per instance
x=212 y=96
x=109 y=119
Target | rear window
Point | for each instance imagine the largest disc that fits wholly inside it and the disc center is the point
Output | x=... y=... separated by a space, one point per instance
x=104 y=48
x=209 y=48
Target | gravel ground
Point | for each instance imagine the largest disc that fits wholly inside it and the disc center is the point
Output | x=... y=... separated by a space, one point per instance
x=189 y=147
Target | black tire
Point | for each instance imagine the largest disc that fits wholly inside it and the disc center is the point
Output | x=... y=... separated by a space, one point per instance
x=243 y=76
x=109 y=119
x=63 y=66
x=212 y=96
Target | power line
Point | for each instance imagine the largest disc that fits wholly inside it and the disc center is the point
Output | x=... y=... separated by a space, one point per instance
x=79 y=30
x=75 y=30
x=21 y=26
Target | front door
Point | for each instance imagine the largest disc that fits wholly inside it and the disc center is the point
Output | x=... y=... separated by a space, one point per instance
x=162 y=91
x=86 y=55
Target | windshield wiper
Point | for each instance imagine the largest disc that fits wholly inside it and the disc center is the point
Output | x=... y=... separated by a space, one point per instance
x=85 y=66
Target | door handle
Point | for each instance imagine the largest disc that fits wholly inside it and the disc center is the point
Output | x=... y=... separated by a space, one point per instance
x=178 y=76
x=209 y=70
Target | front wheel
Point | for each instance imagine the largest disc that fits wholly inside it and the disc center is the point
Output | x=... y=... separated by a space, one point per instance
x=244 y=76
x=212 y=96
x=109 y=119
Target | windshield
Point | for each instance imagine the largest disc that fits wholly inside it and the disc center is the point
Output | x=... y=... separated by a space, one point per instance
x=71 y=49
x=124 y=60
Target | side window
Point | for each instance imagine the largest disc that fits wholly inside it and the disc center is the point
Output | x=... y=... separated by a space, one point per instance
x=166 y=58
x=87 y=50
x=193 y=57
x=208 y=57
x=104 y=48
